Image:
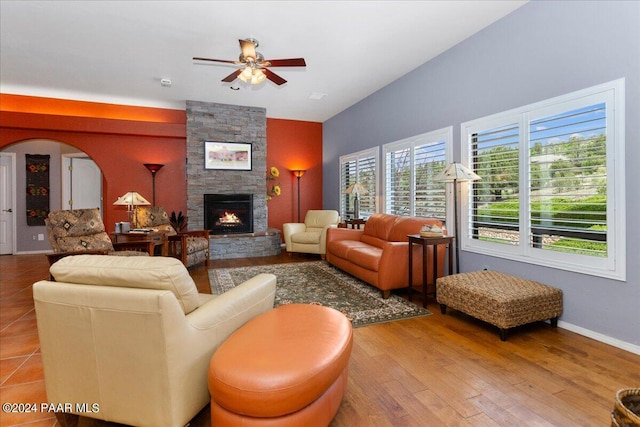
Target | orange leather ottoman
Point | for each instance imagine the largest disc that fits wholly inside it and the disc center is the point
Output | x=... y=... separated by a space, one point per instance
x=286 y=367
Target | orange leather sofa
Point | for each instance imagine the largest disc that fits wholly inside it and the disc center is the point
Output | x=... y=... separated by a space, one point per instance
x=379 y=253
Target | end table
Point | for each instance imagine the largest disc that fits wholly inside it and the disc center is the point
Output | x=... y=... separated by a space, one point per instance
x=158 y=238
x=425 y=242
x=352 y=223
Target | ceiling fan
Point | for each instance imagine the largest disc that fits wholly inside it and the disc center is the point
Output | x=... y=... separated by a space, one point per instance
x=254 y=67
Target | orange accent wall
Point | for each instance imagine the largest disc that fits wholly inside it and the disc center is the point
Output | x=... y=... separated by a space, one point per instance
x=66 y=107
x=120 y=139
x=294 y=145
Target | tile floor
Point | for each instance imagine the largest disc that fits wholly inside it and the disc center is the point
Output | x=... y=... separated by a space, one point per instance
x=21 y=376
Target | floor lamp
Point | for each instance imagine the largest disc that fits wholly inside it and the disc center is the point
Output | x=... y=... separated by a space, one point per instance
x=153 y=168
x=298 y=174
x=455 y=172
x=356 y=189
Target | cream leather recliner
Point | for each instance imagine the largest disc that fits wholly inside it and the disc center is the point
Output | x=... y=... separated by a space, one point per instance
x=131 y=337
x=310 y=236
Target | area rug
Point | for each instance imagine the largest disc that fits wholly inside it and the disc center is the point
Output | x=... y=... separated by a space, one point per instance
x=317 y=282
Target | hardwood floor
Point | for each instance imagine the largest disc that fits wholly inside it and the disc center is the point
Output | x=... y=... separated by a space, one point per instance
x=431 y=371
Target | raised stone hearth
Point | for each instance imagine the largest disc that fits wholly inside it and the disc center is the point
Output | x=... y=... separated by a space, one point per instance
x=229 y=123
x=245 y=245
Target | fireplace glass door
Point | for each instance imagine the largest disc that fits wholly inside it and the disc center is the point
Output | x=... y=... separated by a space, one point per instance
x=228 y=213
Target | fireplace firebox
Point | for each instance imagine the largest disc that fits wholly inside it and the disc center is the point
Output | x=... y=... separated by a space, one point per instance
x=228 y=213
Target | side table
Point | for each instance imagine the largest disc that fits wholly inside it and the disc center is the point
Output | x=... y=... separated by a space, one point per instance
x=425 y=242
x=159 y=238
x=352 y=223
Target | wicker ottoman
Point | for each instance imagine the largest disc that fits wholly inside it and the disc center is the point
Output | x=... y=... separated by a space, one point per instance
x=500 y=299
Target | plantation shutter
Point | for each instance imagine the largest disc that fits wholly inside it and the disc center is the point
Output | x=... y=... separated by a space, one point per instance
x=398 y=200
x=560 y=200
x=347 y=177
x=361 y=168
x=367 y=176
x=430 y=196
x=495 y=205
x=568 y=180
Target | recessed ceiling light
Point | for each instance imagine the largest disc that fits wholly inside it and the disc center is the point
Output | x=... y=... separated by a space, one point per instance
x=317 y=95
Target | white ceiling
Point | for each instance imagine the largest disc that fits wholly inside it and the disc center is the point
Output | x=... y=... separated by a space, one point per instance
x=117 y=51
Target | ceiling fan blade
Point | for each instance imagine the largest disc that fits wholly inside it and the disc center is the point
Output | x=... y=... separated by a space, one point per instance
x=197 y=58
x=293 y=62
x=248 y=49
x=231 y=77
x=274 y=77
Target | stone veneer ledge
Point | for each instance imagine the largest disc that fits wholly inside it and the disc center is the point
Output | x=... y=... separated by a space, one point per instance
x=229 y=123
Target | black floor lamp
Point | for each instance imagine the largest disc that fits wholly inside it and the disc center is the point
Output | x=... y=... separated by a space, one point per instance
x=153 y=168
x=455 y=172
x=298 y=174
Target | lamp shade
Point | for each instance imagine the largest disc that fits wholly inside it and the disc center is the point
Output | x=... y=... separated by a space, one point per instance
x=131 y=198
x=298 y=173
x=356 y=188
x=153 y=167
x=456 y=172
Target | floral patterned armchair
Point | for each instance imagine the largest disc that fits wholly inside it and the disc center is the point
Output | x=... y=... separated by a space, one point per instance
x=191 y=247
x=81 y=231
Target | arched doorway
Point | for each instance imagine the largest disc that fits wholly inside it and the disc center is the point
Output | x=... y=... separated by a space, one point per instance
x=21 y=237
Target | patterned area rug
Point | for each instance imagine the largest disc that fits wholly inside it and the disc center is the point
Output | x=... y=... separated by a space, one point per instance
x=317 y=282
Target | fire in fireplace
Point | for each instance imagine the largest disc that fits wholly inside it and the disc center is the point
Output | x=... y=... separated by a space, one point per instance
x=228 y=213
x=228 y=218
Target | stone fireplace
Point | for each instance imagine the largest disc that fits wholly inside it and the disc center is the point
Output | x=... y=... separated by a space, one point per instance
x=229 y=123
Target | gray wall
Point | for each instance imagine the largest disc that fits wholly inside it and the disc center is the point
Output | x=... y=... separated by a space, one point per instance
x=542 y=50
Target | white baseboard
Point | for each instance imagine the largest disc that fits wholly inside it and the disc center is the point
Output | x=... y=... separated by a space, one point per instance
x=600 y=337
x=33 y=252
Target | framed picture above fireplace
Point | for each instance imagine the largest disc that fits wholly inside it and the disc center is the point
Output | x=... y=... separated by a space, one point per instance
x=227 y=155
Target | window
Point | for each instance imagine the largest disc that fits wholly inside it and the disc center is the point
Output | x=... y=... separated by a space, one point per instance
x=552 y=187
x=362 y=168
x=410 y=166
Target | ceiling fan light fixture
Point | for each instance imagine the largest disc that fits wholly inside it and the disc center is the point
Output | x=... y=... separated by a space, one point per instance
x=258 y=77
x=246 y=74
x=253 y=67
x=251 y=75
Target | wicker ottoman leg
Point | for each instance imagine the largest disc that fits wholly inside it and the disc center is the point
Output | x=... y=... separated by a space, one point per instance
x=503 y=334
x=554 y=322
x=443 y=308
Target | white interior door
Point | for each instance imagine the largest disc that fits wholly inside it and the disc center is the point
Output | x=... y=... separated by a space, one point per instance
x=82 y=183
x=7 y=203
